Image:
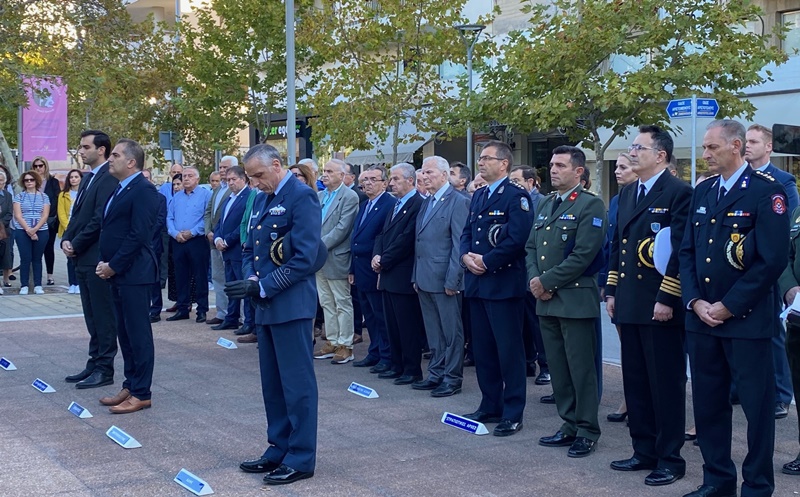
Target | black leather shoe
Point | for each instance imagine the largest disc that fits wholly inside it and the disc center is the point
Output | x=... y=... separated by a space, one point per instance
x=632 y=464
x=214 y=321
x=709 y=491
x=581 y=447
x=560 y=439
x=284 y=475
x=226 y=326
x=483 y=417
x=543 y=378
x=792 y=468
x=507 y=428
x=548 y=399
x=781 y=410
x=245 y=330
x=445 y=390
x=390 y=374
x=662 y=476
x=425 y=385
x=259 y=466
x=617 y=417
x=379 y=368
x=96 y=379
x=179 y=316
x=201 y=317
x=407 y=380
x=75 y=378
x=365 y=363
x=155 y=318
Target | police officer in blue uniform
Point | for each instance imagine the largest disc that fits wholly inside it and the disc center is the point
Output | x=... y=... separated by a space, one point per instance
x=733 y=252
x=279 y=260
x=493 y=252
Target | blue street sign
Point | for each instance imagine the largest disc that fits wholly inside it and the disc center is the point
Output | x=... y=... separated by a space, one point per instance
x=707 y=107
x=677 y=109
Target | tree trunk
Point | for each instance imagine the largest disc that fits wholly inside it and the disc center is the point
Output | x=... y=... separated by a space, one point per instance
x=599 y=153
x=395 y=138
x=8 y=160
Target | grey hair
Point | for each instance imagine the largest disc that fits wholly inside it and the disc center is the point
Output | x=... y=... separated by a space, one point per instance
x=344 y=168
x=313 y=163
x=406 y=169
x=264 y=153
x=186 y=168
x=379 y=168
x=440 y=162
x=234 y=160
x=731 y=130
x=3 y=174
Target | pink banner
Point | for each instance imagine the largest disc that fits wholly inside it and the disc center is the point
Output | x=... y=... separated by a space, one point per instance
x=44 y=122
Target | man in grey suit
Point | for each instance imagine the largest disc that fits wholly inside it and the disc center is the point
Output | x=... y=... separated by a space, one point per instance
x=339 y=206
x=210 y=218
x=439 y=278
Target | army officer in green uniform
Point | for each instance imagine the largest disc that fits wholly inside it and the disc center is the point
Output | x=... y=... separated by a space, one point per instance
x=563 y=256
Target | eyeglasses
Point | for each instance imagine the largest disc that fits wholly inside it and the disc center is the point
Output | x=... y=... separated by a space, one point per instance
x=484 y=158
x=638 y=148
x=29 y=180
x=298 y=175
x=372 y=180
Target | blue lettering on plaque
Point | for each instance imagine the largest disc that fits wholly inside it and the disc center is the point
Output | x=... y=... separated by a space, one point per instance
x=76 y=409
x=4 y=362
x=190 y=482
x=119 y=436
x=40 y=385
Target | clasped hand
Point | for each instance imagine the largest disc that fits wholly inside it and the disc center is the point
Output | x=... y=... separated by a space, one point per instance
x=242 y=288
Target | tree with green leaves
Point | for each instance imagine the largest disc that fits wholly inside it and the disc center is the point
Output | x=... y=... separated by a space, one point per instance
x=556 y=73
x=233 y=59
x=375 y=66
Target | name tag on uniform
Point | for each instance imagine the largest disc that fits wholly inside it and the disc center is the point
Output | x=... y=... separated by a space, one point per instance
x=701 y=209
x=659 y=210
x=568 y=217
x=278 y=210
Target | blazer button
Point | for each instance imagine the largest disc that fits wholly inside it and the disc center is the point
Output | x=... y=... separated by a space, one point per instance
x=477 y=243
x=707 y=280
x=622 y=263
x=621 y=275
x=639 y=276
x=710 y=241
x=256 y=257
x=258 y=227
x=577 y=284
x=624 y=252
x=274 y=225
x=480 y=217
x=713 y=221
x=542 y=257
x=258 y=243
x=624 y=240
x=258 y=273
x=545 y=243
x=548 y=228
x=708 y=259
x=639 y=264
x=697 y=224
x=479 y=229
x=735 y=225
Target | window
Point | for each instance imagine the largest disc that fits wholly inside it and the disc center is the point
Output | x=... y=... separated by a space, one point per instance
x=791 y=20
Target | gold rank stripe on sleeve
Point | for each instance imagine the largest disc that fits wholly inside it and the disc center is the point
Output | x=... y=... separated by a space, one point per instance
x=613 y=278
x=671 y=286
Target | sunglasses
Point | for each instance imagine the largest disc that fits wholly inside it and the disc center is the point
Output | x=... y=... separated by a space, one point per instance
x=29 y=180
x=37 y=165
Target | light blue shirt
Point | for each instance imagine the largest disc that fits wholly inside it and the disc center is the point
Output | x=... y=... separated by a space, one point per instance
x=186 y=212
x=493 y=186
x=122 y=185
x=327 y=199
x=283 y=182
x=648 y=185
x=405 y=199
x=220 y=194
x=731 y=183
x=166 y=189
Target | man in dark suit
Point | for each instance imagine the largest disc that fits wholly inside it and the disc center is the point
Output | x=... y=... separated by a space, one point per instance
x=757 y=154
x=439 y=278
x=732 y=254
x=393 y=260
x=358 y=317
x=156 y=300
x=654 y=376
x=283 y=252
x=128 y=263
x=211 y=217
x=493 y=252
x=80 y=243
x=369 y=222
x=350 y=182
x=227 y=242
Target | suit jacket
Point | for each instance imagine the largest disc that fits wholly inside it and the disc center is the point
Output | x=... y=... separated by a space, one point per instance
x=497 y=228
x=562 y=251
x=437 y=247
x=336 y=230
x=160 y=226
x=362 y=241
x=127 y=232
x=665 y=205
x=790 y=277
x=789 y=183
x=395 y=245
x=290 y=289
x=211 y=216
x=229 y=230
x=87 y=215
x=733 y=251
x=362 y=197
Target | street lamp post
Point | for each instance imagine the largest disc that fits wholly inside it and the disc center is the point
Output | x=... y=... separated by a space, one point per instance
x=470 y=33
x=290 y=86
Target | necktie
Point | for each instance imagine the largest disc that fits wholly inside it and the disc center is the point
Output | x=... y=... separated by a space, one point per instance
x=111 y=200
x=556 y=205
x=431 y=203
x=642 y=193
x=722 y=192
x=85 y=186
x=366 y=212
x=396 y=208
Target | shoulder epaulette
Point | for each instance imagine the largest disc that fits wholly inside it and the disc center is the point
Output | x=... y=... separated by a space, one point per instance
x=761 y=174
x=517 y=185
x=590 y=192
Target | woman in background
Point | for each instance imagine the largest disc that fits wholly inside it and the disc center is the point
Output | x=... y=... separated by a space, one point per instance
x=50 y=187
x=66 y=199
x=6 y=240
x=305 y=174
x=31 y=210
x=9 y=189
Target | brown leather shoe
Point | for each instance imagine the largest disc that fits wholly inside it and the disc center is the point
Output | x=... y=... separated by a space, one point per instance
x=131 y=404
x=116 y=400
x=251 y=338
